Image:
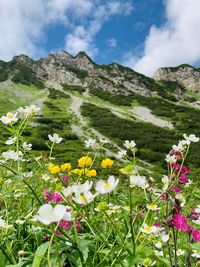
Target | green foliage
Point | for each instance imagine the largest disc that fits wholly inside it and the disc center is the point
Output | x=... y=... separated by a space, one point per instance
x=76 y=88
x=80 y=73
x=117 y=99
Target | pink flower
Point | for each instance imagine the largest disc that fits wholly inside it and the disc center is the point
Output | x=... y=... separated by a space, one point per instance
x=47 y=195
x=164 y=197
x=56 y=197
x=194 y=215
x=65 y=178
x=196 y=234
x=175 y=189
x=64 y=224
x=180 y=222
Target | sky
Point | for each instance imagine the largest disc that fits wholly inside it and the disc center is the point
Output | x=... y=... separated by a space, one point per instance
x=141 y=34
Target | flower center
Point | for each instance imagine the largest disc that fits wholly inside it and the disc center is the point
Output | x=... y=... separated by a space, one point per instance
x=147 y=228
x=106 y=185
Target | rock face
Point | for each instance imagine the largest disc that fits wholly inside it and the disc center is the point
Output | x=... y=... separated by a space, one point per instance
x=184 y=74
x=62 y=68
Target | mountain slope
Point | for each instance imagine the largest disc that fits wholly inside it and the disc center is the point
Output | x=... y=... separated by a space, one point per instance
x=81 y=99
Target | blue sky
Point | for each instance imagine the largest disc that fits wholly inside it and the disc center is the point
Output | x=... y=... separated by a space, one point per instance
x=141 y=34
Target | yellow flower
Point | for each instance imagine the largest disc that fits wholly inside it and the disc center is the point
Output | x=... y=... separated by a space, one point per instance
x=91 y=173
x=85 y=162
x=66 y=167
x=55 y=169
x=51 y=165
x=83 y=171
x=76 y=171
x=107 y=163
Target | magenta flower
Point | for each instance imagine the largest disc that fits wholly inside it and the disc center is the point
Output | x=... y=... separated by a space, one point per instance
x=180 y=222
x=196 y=234
x=175 y=189
x=56 y=197
x=64 y=224
x=65 y=178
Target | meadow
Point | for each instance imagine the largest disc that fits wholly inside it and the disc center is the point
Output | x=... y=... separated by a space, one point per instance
x=95 y=210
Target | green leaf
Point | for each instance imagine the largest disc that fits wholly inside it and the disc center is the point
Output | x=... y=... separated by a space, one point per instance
x=83 y=247
x=39 y=254
x=2 y=259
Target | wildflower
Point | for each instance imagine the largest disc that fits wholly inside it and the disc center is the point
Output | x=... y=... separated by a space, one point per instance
x=66 y=167
x=91 y=173
x=47 y=214
x=28 y=111
x=158 y=253
x=158 y=244
x=56 y=197
x=83 y=198
x=85 y=162
x=55 y=138
x=148 y=229
x=175 y=189
x=68 y=191
x=152 y=207
x=165 y=181
x=45 y=177
x=90 y=143
x=81 y=188
x=65 y=178
x=181 y=199
x=191 y=138
x=76 y=171
x=103 y=206
x=11 y=140
x=64 y=224
x=180 y=252
x=122 y=153
x=196 y=254
x=170 y=159
x=164 y=237
x=9 y=118
x=137 y=180
x=12 y=155
x=104 y=187
x=196 y=234
x=103 y=141
x=180 y=222
x=129 y=144
x=55 y=169
x=26 y=146
x=107 y=163
x=3 y=224
x=197 y=210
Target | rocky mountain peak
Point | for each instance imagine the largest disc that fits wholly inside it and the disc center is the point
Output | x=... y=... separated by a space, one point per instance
x=185 y=74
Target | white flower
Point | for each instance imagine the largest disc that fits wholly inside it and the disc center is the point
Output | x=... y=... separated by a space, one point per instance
x=26 y=146
x=189 y=182
x=28 y=111
x=11 y=140
x=45 y=177
x=104 y=187
x=3 y=224
x=83 y=198
x=152 y=207
x=137 y=180
x=181 y=199
x=158 y=244
x=9 y=118
x=158 y=253
x=90 y=143
x=197 y=210
x=47 y=214
x=27 y=174
x=129 y=144
x=148 y=229
x=170 y=159
x=196 y=221
x=55 y=138
x=165 y=181
x=103 y=141
x=12 y=155
x=196 y=254
x=180 y=252
x=165 y=237
x=191 y=138
x=68 y=191
x=122 y=153
x=81 y=188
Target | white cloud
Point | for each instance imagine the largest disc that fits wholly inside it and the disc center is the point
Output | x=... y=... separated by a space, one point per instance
x=82 y=38
x=112 y=42
x=24 y=23
x=176 y=42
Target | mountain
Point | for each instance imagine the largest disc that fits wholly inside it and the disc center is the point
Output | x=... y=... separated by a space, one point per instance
x=81 y=99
